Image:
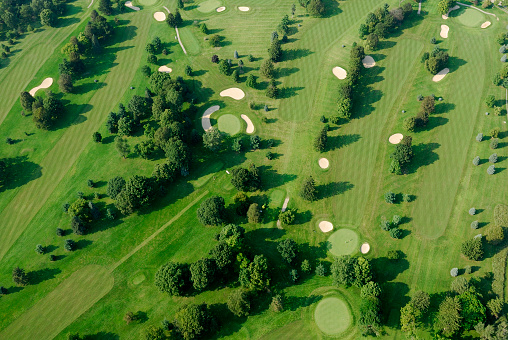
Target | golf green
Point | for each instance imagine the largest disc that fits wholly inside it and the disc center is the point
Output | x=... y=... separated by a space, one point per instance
x=343 y=242
x=471 y=18
x=147 y=2
x=209 y=5
x=229 y=123
x=332 y=316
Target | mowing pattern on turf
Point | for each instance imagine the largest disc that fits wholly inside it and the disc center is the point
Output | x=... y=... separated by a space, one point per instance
x=332 y=316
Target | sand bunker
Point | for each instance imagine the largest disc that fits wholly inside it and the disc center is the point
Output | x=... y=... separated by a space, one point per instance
x=244 y=9
x=444 y=31
x=250 y=126
x=205 y=119
x=234 y=93
x=368 y=62
x=325 y=226
x=129 y=4
x=165 y=69
x=364 y=249
x=220 y=9
x=323 y=163
x=445 y=16
x=159 y=16
x=396 y=138
x=441 y=74
x=339 y=72
x=44 y=85
x=486 y=24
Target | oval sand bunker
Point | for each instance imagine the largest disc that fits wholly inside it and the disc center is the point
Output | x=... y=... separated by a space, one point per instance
x=234 y=93
x=159 y=16
x=220 y=9
x=244 y=9
x=325 y=226
x=444 y=31
x=441 y=74
x=205 y=119
x=323 y=163
x=365 y=248
x=368 y=62
x=165 y=69
x=486 y=24
x=129 y=4
x=396 y=138
x=339 y=72
x=250 y=126
x=44 y=85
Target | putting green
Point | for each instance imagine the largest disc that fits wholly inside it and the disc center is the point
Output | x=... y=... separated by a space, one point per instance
x=209 y=5
x=343 y=242
x=332 y=316
x=471 y=18
x=229 y=123
x=146 y=2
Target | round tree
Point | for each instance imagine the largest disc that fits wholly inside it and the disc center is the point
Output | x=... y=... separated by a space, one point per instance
x=212 y=211
x=172 y=278
x=238 y=303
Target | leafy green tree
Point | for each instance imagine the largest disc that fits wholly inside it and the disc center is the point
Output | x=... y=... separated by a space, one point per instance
x=395 y=233
x=105 y=7
x=370 y=316
x=154 y=333
x=78 y=226
x=316 y=8
x=253 y=214
x=139 y=107
x=409 y=124
x=172 y=278
x=277 y=304
x=343 y=270
x=223 y=255
x=20 y=277
x=115 y=186
x=65 y=83
x=26 y=101
x=251 y=81
x=245 y=179
x=239 y=303
x=448 y=320
x=202 y=273
x=233 y=235
x=122 y=146
x=267 y=69
x=321 y=140
x=472 y=249
x=421 y=301
x=69 y=245
x=97 y=137
x=224 y=67
x=306 y=267
x=203 y=28
x=308 y=190
x=472 y=310
x=236 y=76
x=287 y=217
x=180 y=4
x=390 y=197
x=288 y=249
x=428 y=105
x=320 y=270
x=443 y=6
x=409 y=320
x=460 y=285
x=495 y=306
x=193 y=321
x=257 y=273
x=212 y=211
x=370 y=289
x=371 y=41
x=490 y=100
x=275 y=51
x=212 y=139
x=48 y=18
x=495 y=234
x=138 y=192
x=214 y=40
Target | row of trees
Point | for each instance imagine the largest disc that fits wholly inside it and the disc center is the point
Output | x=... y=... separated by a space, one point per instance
x=402 y=155
x=315 y=8
x=421 y=119
x=346 y=90
x=436 y=60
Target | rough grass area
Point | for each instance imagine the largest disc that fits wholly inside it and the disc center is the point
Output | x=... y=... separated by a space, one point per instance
x=332 y=316
x=343 y=242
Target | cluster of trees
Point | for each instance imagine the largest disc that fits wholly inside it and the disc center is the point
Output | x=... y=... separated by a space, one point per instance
x=315 y=8
x=379 y=24
x=346 y=90
x=246 y=179
x=392 y=226
x=153 y=48
x=422 y=117
x=45 y=111
x=321 y=139
x=402 y=155
x=436 y=60
x=444 y=6
x=174 y=20
x=501 y=77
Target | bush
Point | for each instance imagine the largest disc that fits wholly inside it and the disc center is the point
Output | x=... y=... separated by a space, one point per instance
x=474 y=225
x=395 y=233
x=472 y=211
x=493 y=158
x=238 y=303
x=370 y=289
x=269 y=155
x=490 y=100
x=467 y=269
x=454 y=272
x=409 y=124
x=69 y=245
x=253 y=214
x=393 y=255
x=306 y=267
x=320 y=270
x=39 y=249
x=390 y=197
x=476 y=160
x=287 y=217
x=491 y=169
x=52 y=258
x=433 y=41
x=396 y=220
x=495 y=234
x=419 y=97
x=494 y=133
x=293 y=275
x=479 y=137
x=172 y=278
x=494 y=143
x=472 y=249
x=385 y=225
x=277 y=304
x=60 y=232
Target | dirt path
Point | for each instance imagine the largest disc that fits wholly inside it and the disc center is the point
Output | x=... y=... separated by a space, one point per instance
x=179 y=41
x=470 y=6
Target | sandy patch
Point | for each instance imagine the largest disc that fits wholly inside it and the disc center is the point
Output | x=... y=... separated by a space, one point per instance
x=165 y=69
x=368 y=62
x=365 y=248
x=441 y=74
x=221 y=9
x=250 y=126
x=234 y=93
x=91 y=3
x=244 y=9
x=445 y=16
x=44 y=85
x=486 y=24
x=339 y=72
x=325 y=226
x=167 y=9
x=323 y=163
x=159 y=16
x=444 y=31
x=205 y=119
x=396 y=138
x=129 y=4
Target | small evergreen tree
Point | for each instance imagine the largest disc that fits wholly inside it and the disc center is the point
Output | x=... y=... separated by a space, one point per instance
x=308 y=190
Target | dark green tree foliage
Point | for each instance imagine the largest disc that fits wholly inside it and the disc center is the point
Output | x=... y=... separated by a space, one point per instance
x=308 y=190
x=472 y=310
x=78 y=226
x=26 y=101
x=316 y=8
x=347 y=271
x=105 y=7
x=65 y=83
x=20 y=277
x=239 y=303
x=275 y=51
x=154 y=333
x=448 y=319
x=287 y=217
x=403 y=151
x=437 y=61
x=212 y=139
x=172 y=278
x=48 y=18
x=370 y=316
x=69 y=245
x=472 y=249
x=97 y=137
x=321 y=140
x=233 y=235
x=267 y=69
x=288 y=249
x=245 y=179
x=223 y=255
x=251 y=81
x=224 y=67
x=138 y=192
x=202 y=273
x=212 y=211
x=165 y=172
x=256 y=274
x=194 y=321
x=115 y=186
x=139 y=107
x=122 y=146
x=272 y=91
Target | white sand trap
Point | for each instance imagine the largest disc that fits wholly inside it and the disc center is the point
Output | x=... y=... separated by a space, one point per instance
x=323 y=163
x=339 y=72
x=44 y=85
x=205 y=119
x=486 y=24
x=244 y=9
x=129 y=4
x=159 y=16
x=325 y=226
x=368 y=62
x=445 y=16
x=221 y=9
x=234 y=93
x=444 y=31
x=365 y=248
x=396 y=138
x=165 y=69
x=250 y=126
x=441 y=74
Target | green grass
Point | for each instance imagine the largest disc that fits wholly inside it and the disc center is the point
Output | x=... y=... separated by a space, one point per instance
x=470 y=17
x=343 y=242
x=332 y=316
x=209 y=6
x=229 y=124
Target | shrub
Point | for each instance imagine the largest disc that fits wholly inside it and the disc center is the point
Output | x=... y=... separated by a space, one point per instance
x=269 y=155
x=395 y=233
x=433 y=41
x=494 y=143
x=188 y=71
x=60 y=232
x=69 y=245
x=476 y=160
x=277 y=304
x=390 y=197
x=393 y=255
x=474 y=225
x=479 y=137
x=293 y=275
x=495 y=234
x=490 y=100
x=406 y=198
x=253 y=214
x=215 y=59
x=497 y=110
x=370 y=289
x=396 y=220
x=454 y=272
x=320 y=270
x=306 y=267
x=39 y=249
x=419 y=97
x=287 y=217
x=385 y=225
x=494 y=133
x=467 y=269
x=472 y=211
x=491 y=169
x=238 y=303
x=493 y=158
x=409 y=124
x=472 y=249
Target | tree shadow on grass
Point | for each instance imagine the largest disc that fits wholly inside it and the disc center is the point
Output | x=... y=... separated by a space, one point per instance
x=303 y=217
x=270 y=178
x=295 y=302
x=444 y=107
x=454 y=63
x=333 y=189
x=38 y=276
x=340 y=141
x=423 y=155
x=287 y=92
x=286 y=71
x=102 y=336
x=20 y=171
x=387 y=270
x=82 y=244
x=297 y=53
x=434 y=122
x=228 y=323
x=394 y=298
x=51 y=248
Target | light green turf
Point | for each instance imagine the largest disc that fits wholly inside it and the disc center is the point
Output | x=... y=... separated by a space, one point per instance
x=211 y=170
x=50 y=315
x=229 y=124
x=471 y=17
x=276 y=197
x=138 y=279
x=189 y=41
x=144 y=2
x=209 y=5
x=332 y=316
x=343 y=242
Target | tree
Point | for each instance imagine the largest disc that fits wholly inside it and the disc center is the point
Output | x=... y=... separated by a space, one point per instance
x=26 y=101
x=288 y=249
x=224 y=67
x=490 y=100
x=320 y=270
x=494 y=143
x=389 y=197
x=472 y=249
x=238 y=303
x=139 y=107
x=233 y=235
x=179 y=4
x=306 y=267
x=97 y=137
x=371 y=41
x=251 y=81
x=275 y=51
x=460 y=285
x=371 y=289
x=343 y=271
x=257 y=273
x=321 y=140
x=193 y=321
x=212 y=139
x=138 y=192
x=428 y=105
x=409 y=320
x=105 y=7
x=236 y=76
x=203 y=28
x=172 y=278
x=154 y=333
x=214 y=40
x=77 y=225
x=472 y=310
x=308 y=190
x=65 y=83
x=48 y=18
x=287 y=217
x=491 y=169
x=39 y=249
x=370 y=319
x=476 y=160
x=443 y=6
x=421 y=301
x=115 y=186
x=223 y=256
x=267 y=69
x=69 y=245
x=448 y=319
x=253 y=214
x=495 y=306
x=255 y=142
x=316 y=8
x=395 y=233
x=493 y=158
x=409 y=124
x=122 y=147
x=495 y=234
x=20 y=277
x=277 y=304
x=202 y=273
x=212 y=211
